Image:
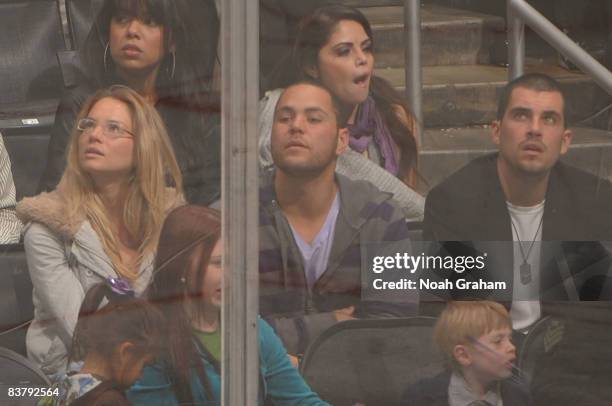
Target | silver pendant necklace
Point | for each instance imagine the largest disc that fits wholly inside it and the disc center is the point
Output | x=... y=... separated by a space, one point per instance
x=525 y=268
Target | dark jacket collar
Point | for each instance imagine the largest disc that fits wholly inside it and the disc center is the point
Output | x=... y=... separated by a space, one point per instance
x=493 y=208
x=560 y=214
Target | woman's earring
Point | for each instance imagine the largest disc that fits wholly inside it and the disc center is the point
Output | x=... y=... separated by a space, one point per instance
x=105 y=57
x=171 y=74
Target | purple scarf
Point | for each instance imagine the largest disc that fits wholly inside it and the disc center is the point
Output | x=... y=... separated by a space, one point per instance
x=368 y=127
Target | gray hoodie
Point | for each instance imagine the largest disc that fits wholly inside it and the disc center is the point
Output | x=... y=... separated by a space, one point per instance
x=64 y=260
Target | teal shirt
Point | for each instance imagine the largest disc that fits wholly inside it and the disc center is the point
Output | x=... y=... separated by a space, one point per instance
x=280 y=382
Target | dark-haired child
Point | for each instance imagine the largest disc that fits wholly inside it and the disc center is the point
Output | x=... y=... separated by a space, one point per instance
x=114 y=342
x=475 y=338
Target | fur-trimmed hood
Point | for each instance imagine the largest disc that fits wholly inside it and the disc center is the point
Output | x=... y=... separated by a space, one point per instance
x=50 y=209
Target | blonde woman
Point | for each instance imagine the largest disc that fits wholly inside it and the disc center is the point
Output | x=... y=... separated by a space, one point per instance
x=103 y=221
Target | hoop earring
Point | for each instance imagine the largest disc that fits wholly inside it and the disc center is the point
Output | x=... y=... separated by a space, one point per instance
x=105 y=56
x=173 y=65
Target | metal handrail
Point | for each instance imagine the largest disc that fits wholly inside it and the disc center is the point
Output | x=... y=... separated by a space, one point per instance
x=412 y=62
x=520 y=13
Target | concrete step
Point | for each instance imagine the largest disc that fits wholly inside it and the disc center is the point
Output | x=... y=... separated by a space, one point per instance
x=584 y=21
x=465 y=95
x=446 y=150
x=483 y=6
x=371 y=3
x=448 y=36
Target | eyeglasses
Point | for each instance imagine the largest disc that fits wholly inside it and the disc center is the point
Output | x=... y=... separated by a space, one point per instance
x=111 y=129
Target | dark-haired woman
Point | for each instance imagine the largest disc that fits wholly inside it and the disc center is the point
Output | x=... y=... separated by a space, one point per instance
x=187 y=288
x=335 y=47
x=166 y=51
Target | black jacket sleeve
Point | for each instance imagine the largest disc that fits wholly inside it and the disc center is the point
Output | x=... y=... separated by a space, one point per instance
x=206 y=189
x=196 y=139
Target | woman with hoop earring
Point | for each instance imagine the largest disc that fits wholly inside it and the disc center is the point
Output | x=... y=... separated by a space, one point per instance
x=166 y=51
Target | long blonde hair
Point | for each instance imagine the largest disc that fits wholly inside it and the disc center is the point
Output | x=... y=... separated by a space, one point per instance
x=147 y=200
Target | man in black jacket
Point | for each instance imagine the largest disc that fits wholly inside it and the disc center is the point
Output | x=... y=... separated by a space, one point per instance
x=538 y=219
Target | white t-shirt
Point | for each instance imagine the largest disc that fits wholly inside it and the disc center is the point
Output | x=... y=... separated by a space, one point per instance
x=526 y=221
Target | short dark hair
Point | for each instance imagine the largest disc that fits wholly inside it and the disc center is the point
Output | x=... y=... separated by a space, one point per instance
x=342 y=114
x=539 y=82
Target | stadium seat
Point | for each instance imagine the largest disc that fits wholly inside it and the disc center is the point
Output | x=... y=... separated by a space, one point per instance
x=81 y=14
x=16 y=307
x=28 y=153
x=19 y=372
x=371 y=361
x=30 y=37
x=543 y=338
x=564 y=358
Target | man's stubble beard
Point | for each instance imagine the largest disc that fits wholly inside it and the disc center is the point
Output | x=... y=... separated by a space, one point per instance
x=310 y=169
x=304 y=171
